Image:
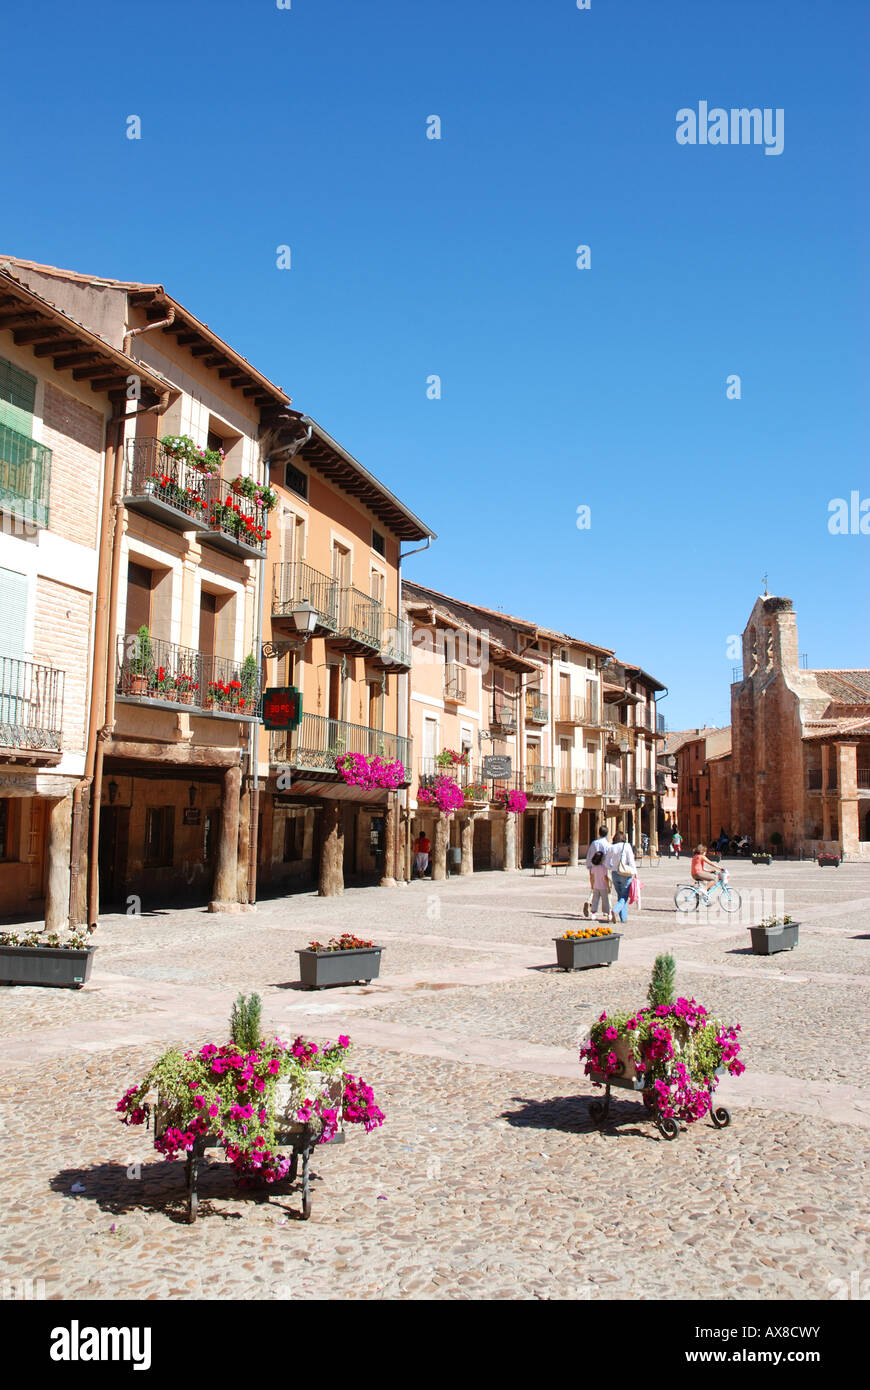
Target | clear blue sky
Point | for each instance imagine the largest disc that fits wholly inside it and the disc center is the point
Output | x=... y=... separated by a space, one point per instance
x=412 y=257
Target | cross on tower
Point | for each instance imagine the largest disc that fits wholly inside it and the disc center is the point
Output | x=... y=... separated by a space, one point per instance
x=765 y=583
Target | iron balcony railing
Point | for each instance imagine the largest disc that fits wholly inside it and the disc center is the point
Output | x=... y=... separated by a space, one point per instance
x=814 y=779
x=31 y=705
x=191 y=498
x=864 y=779
x=455 y=683
x=539 y=781
x=661 y=724
x=577 y=783
x=537 y=707
x=319 y=740
x=646 y=781
x=395 y=648
x=295 y=583
x=612 y=782
x=153 y=671
x=361 y=618
x=25 y=477
x=577 y=710
x=645 y=718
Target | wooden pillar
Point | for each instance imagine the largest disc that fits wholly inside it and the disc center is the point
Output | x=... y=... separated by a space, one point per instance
x=244 y=843
x=439 y=847
x=78 y=895
x=510 y=842
x=57 y=865
x=390 y=837
x=225 y=888
x=466 y=840
x=574 y=846
x=331 y=881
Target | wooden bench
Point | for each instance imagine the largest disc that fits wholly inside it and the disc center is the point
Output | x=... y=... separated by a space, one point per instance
x=561 y=860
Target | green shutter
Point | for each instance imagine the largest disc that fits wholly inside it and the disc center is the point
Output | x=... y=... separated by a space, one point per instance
x=13 y=613
x=17 y=397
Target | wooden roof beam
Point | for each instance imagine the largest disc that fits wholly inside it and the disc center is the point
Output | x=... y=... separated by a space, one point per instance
x=14 y=317
x=23 y=336
x=57 y=345
x=74 y=359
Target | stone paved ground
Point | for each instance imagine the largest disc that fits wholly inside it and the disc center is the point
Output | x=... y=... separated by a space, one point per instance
x=487 y=1179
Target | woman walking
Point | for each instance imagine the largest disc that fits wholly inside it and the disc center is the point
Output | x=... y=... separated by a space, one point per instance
x=623 y=868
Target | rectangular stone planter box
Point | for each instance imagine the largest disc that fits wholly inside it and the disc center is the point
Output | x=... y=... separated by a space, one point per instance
x=766 y=941
x=829 y=861
x=581 y=955
x=317 y=969
x=59 y=967
x=761 y=858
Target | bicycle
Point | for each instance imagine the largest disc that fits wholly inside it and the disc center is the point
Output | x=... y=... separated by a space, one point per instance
x=690 y=896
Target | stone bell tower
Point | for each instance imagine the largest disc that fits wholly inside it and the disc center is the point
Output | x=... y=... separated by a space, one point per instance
x=767 y=771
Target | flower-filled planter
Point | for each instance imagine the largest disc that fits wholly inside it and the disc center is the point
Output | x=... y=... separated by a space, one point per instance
x=448 y=759
x=359 y=771
x=475 y=792
x=55 y=961
x=761 y=858
x=674 y=1053
x=580 y=950
x=513 y=801
x=345 y=960
x=441 y=792
x=251 y=1099
x=774 y=934
x=829 y=861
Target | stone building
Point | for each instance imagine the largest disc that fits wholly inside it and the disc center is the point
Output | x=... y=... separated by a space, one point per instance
x=703 y=784
x=579 y=728
x=335 y=632
x=60 y=386
x=800 y=765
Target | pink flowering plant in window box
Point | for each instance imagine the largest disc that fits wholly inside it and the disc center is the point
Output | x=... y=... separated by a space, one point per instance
x=674 y=1049
x=251 y=1094
x=514 y=801
x=442 y=792
x=370 y=773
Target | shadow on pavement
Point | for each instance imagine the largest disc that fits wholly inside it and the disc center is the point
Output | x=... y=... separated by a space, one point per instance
x=570 y=1114
x=161 y=1188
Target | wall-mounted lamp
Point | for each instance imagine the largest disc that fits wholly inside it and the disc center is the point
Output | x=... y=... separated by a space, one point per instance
x=304 y=617
x=113 y=792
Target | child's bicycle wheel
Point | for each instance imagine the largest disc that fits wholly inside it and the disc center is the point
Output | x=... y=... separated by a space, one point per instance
x=686 y=899
x=730 y=899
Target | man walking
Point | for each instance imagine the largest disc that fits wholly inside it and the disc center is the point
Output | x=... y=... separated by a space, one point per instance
x=595 y=855
x=421 y=854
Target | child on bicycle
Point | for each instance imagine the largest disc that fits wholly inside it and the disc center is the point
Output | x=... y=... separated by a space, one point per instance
x=704 y=871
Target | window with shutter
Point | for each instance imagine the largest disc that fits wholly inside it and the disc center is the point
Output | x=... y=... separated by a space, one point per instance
x=17 y=397
x=13 y=613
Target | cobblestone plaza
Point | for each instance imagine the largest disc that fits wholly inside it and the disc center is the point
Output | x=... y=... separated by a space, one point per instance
x=487 y=1179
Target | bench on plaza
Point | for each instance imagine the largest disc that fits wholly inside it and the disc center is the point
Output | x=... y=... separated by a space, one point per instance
x=560 y=860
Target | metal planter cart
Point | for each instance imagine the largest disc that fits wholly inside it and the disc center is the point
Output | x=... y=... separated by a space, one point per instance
x=628 y=1080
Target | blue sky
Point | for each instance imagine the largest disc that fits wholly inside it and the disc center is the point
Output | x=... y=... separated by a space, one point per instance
x=413 y=257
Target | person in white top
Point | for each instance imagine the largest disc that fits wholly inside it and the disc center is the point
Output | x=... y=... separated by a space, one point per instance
x=597 y=851
x=621 y=863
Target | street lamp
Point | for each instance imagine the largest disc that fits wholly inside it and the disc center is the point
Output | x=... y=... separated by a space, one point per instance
x=304 y=617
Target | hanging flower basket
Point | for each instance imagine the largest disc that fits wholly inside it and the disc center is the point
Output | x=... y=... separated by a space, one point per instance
x=359 y=771
x=443 y=793
x=513 y=801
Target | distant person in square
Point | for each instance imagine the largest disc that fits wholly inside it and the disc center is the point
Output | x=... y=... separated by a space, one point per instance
x=421 y=854
x=676 y=843
x=595 y=856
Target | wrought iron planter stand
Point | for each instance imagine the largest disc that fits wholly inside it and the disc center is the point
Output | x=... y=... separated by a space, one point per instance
x=668 y=1126
x=300 y=1145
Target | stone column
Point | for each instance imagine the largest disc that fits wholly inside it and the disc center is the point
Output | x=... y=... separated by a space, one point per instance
x=466 y=840
x=331 y=879
x=653 y=826
x=390 y=827
x=225 y=890
x=510 y=842
x=847 y=786
x=547 y=832
x=439 y=847
x=574 y=846
x=57 y=865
